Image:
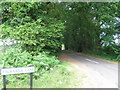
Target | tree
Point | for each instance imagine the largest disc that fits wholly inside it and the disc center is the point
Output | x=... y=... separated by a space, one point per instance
x=31 y=24
x=85 y=31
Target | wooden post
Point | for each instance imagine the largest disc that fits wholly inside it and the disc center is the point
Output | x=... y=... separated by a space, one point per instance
x=4 y=82
x=31 y=76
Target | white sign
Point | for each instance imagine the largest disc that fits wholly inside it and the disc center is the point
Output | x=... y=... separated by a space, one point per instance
x=19 y=70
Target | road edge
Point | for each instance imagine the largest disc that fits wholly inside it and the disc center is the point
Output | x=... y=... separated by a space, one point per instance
x=83 y=54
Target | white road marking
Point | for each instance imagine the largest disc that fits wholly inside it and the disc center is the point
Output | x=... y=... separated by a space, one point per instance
x=92 y=61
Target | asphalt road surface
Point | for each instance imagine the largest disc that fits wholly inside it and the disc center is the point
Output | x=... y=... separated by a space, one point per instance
x=106 y=72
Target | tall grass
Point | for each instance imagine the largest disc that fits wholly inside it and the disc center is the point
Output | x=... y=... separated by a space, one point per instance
x=59 y=77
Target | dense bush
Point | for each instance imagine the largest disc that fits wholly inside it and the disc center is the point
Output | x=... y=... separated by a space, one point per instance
x=33 y=27
x=112 y=50
x=18 y=58
x=36 y=36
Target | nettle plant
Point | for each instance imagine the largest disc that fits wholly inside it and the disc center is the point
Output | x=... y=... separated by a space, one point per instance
x=18 y=58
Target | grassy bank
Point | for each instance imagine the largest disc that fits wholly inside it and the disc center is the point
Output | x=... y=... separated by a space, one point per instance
x=102 y=56
x=63 y=76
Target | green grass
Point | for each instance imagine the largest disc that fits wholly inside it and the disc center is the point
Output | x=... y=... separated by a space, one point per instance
x=99 y=55
x=63 y=76
x=102 y=56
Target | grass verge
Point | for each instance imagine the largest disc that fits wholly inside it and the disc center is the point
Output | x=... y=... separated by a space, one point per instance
x=63 y=76
x=102 y=56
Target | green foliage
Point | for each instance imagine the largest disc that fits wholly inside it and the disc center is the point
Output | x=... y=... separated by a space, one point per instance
x=84 y=31
x=38 y=26
x=37 y=35
x=113 y=50
x=15 y=58
x=91 y=28
x=111 y=53
x=18 y=58
x=31 y=26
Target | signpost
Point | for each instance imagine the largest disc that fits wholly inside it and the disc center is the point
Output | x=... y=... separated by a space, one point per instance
x=19 y=70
